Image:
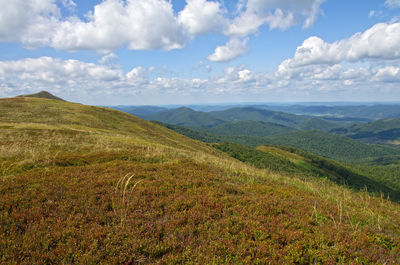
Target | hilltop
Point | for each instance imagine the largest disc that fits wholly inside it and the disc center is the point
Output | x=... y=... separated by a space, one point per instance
x=90 y=185
x=42 y=94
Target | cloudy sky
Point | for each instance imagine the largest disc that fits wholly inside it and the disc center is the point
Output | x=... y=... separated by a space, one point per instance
x=134 y=52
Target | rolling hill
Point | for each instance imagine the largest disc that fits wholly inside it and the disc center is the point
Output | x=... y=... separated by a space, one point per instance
x=250 y=128
x=379 y=131
x=318 y=124
x=332 y=146
x=254 y=114
x=91 y=185
x=329 y=145
x=363 y=112
x=240 y=119
x=185 y=117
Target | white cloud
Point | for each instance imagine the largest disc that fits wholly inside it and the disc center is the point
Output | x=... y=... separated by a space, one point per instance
x=99 y=84
x=201 y=16
x=388 y=74
x=231 y=50
x=146 y=24
x=69 y=4
x=138 y=76
x=24 y=20
x=392 y=3
x=382 y=41
x=328 y=73
x=108 y=58
x=46 y=73
x=280 y=20
x=276 y=13
x=348 y=82
x=139 y=24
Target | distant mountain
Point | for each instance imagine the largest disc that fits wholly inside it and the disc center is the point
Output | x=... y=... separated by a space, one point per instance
x=384 y=130
x=332 y=146
x=355 y=112
x=185 y=117
x=140 y=111
x=247 y=115
x=254 y=114
x=328 y=145
x=42 y=94
x=250 y=128
x=318 y=124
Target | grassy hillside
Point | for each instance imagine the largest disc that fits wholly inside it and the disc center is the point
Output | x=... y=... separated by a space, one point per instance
x=383 y=131
x=251 y=128
x=185 y=117
x=89 y=185
x=292 y=161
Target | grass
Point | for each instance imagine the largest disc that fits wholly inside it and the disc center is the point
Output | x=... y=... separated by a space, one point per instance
x=87 y=185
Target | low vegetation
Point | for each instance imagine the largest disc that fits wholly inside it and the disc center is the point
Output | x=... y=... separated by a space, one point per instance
x=90 y=185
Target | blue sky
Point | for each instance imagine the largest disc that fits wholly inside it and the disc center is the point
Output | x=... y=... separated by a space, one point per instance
x=136 y=52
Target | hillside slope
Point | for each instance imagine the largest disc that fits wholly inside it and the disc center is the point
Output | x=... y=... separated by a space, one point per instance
x=89 y=185
x=291 y=161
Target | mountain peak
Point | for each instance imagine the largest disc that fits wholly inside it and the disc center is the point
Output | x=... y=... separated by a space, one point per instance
x=42 y=94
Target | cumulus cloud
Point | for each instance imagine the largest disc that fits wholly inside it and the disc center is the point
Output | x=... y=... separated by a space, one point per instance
x=108 y=58
x=392 y=3
x=388 y=74
x=72 y=77
x=69 y=4
x=27 y=21
x=231 y=50
x=277 y=14
x=201 y=16
x=145 y=24
x=139 y=24
x=382 y=41
x=46 y=73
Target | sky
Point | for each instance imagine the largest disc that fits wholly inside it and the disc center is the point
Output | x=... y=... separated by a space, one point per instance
x=160 y=52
